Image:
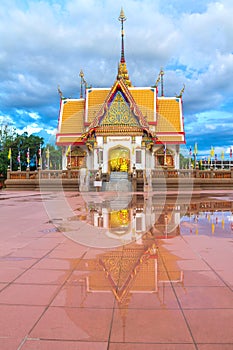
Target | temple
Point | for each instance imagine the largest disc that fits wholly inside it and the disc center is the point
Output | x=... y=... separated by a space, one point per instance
x=121 y=128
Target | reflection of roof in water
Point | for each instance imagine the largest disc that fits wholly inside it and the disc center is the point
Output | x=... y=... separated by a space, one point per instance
x=135 y=269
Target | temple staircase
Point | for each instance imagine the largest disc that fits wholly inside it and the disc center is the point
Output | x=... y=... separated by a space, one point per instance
x=118 y=182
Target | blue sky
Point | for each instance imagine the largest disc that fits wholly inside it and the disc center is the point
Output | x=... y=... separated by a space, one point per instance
x=45 y=43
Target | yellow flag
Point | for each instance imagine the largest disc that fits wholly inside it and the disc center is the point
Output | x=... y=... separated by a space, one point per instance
x=9 y=153
x=68 y=151
x=195 y=149
x=212 y=152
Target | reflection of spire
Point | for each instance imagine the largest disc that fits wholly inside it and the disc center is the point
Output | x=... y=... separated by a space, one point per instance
x=122 y=69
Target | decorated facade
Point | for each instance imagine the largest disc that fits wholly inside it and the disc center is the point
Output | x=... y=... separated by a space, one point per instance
x=121 y=128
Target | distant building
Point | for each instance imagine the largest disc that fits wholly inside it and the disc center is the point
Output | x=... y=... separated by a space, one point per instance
x=122 y=127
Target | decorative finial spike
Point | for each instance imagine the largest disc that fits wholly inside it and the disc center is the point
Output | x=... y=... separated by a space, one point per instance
x=122 y=15
x=59 y=91
x=122 y=18
x=81 y=74
x=161 y=75
x=122 y=69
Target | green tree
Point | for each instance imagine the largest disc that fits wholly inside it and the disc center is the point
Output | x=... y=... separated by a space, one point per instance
x=19 y=144
x=52 y=157
x=7 y=136
x=184 y=162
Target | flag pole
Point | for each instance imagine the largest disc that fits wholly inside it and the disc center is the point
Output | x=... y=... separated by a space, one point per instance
x=28 y=158
x=165 y=154
x=10 y=158
x=230 y=158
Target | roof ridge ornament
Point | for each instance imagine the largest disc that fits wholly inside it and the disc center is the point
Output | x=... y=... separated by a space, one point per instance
x=160 y=80
x=83 y=83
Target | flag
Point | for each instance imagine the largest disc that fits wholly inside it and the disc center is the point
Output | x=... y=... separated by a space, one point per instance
x=28 y=156
x=216 y=157
x=68 y=151
x=165 y=148
x=230 y=152
x=208 y=159
x=9 y=153
x=39 y=154
x=195 y=149
x=222 y=154
x=47 y=153
x=190 y=151
x=212 y=151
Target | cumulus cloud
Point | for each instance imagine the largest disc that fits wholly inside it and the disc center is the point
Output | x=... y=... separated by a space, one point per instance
x=45 y=43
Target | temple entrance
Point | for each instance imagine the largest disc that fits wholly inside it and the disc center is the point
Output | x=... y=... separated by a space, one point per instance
x=119 y=159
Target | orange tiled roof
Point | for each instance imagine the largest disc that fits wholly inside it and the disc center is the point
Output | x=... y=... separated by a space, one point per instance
x=169 y=115
x=170 y=138
x=68 y=139
x=95 y=100
x=71 y=116
x=145 y=99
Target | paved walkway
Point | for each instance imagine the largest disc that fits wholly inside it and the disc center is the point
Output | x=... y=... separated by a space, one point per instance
x=55 y=294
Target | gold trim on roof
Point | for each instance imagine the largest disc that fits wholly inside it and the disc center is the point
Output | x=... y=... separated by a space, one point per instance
x=118 y=130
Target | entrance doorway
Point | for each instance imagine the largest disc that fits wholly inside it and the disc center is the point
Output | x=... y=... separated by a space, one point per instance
x=119 y=159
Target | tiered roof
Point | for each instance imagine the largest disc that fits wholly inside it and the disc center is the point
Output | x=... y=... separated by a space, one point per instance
x=158 y=116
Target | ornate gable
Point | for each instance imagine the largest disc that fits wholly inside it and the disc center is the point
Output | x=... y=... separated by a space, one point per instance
x=119 y=111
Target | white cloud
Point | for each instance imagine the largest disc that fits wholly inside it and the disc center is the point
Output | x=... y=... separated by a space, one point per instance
x=30 y=129
x=45 y=43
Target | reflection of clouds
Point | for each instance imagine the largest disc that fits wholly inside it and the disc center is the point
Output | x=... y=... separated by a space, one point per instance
x=215 y=222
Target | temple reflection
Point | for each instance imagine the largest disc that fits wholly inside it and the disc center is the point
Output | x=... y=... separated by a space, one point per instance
x=143 y=267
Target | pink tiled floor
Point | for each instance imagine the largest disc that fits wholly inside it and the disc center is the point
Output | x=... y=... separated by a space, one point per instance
x=58 y=294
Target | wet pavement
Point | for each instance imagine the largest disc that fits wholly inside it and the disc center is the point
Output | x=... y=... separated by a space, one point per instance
x=101 y=271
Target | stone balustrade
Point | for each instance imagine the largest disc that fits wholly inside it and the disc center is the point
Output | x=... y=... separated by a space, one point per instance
x=174 y=178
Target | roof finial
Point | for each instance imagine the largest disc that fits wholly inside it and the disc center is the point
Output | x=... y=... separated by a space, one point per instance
x=122 y=19
x=81 y=74
x=181 y=92
x=161 y=75
x=83 y=83
x=122 y=69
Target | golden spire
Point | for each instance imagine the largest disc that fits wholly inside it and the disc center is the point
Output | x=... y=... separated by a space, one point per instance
x=122 y=19
x=161 y=75
x=81 y=74
x=122 y=69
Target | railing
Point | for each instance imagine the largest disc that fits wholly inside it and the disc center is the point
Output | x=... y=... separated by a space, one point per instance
x=140 y=174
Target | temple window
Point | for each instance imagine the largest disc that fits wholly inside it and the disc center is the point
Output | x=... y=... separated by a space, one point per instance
x=138 y=156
